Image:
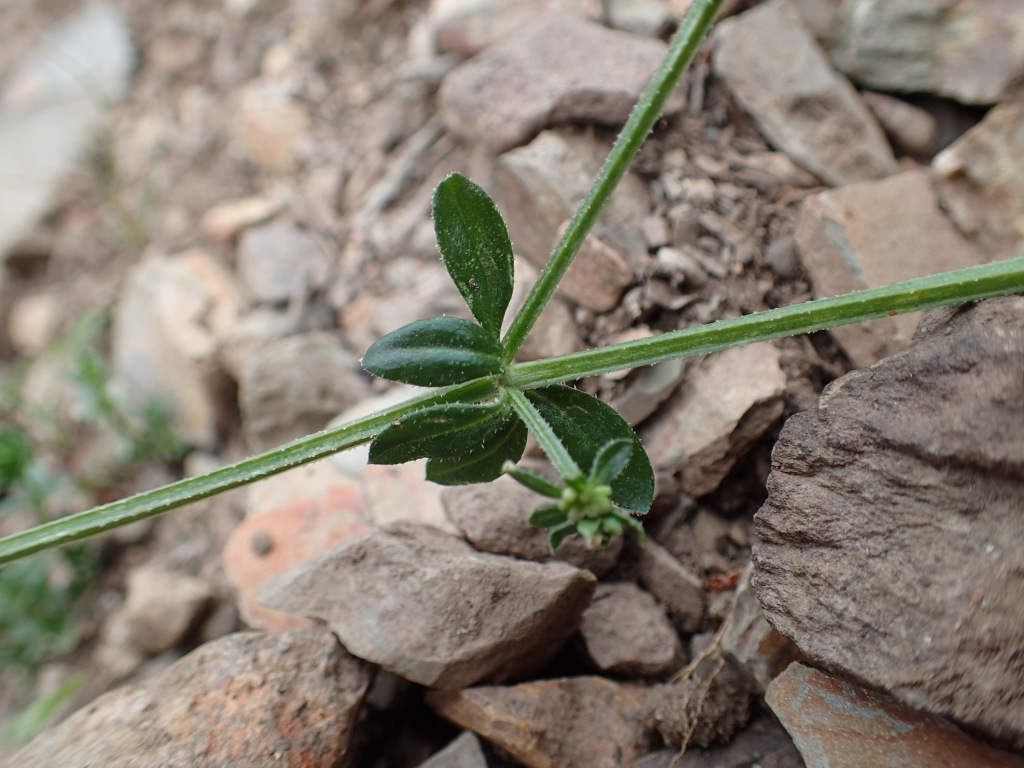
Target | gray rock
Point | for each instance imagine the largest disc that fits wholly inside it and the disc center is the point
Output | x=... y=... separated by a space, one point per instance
x=463 y=752
x=678 y=588
x=967 y=50
x=641 y=17
x=294 y=386
x=278 y=262
x=872 y=234
x=469 y=26
x=980 y=180
x=561 y=69
x=539 y=186
x=160 y=607
x=724 y=405
x=890 y=547
x=172 y=313
x=426 y=606
x=649 y=388
x=775 y=69
x=247 y=699
x=51 y=104
x=627 y=633
x=912 y=129
x=494 y=517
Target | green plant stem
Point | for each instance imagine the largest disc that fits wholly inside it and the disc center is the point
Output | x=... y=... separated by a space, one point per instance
x=959 y=286
x=546 y=436
x=691 y=32
x=150 y=503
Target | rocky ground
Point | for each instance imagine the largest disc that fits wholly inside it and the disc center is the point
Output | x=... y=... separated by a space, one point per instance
x=245 y=186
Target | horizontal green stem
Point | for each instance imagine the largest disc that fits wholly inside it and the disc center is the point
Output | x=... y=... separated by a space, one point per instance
x=957 y=287
x=648 y=109
x=150 y=503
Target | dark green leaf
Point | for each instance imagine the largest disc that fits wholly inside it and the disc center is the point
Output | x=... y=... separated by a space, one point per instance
x=611 y=459
x=475 y=248
x=558 y=535
x=584 y=424
x=486 y=449
x=435 y=353
x=547 y=516
x=534 y=481
x=439 y=431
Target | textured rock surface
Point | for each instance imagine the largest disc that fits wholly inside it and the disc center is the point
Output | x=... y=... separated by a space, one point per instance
x=678 y=588
x=890 y=547
x=278 y=262
x=561 y=723
x=970 y=50
x=981 y=180
x=724 y=405
x=294 y=386
x=539 y=186
x=837 y=725
x=872 y=234
x=426 y=606
x=776 y=70
x=250 y=699
x=627 y=633
x=160 y=607
x=463 y=752
x=561 y=69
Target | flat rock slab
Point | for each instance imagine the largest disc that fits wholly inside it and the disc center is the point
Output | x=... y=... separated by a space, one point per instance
x=872 y=234
x=248 y=699
x=563 y=723
x=891 y=548
x=968 y=50
x=775 y=69
x=428 y=607
x=837 y=725
x=724 y=405
x=561 y=69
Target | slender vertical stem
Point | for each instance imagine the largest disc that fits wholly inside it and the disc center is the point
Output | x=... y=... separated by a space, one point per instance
x=682 y=49
x=546 y=436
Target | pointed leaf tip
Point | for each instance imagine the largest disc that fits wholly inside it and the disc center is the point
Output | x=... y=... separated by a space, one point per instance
x=475 y=248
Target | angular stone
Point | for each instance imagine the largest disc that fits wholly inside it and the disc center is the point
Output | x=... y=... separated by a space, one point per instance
x=561 y=69
x=598 y=275
x=725 y=404
x=750 y=642
x=225 y=220
x=890 y=547
x=494 y=517
x=775 y=69
x=270 y=125
x=171 y=313
x=292 y=518
x=160 y=607
x=294 y=386
x=277 y=262
x=650 y=387
x=555 y=332
x=249 y=699
x=872 y=234
x=626 y=633
x=463 y=752
x=679 y=589
x=426 y=606
x=401 y=492
x=835 y=724
x=539 y=186
x=558 y=723
x=469 y=26
x=968 y=50
x=980 y=179
x=640 y=17
x=47 y=117
x=912 y=129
